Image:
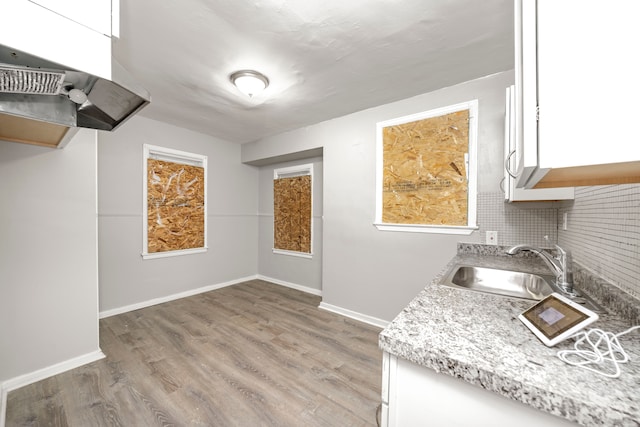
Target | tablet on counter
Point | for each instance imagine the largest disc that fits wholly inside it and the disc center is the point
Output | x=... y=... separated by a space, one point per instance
x=556 y=318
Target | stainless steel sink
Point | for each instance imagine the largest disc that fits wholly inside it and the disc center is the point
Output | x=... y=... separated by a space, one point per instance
x=501 y=282
x=508 y=283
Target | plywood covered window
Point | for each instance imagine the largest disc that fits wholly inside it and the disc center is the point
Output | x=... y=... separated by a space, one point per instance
x=427 y=171
x=292 y=210
x=175 y=202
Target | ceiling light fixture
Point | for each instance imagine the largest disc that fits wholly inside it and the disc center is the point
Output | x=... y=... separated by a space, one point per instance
x=249 y=82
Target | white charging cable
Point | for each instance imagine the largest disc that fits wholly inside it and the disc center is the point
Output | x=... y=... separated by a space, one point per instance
x=597 y=347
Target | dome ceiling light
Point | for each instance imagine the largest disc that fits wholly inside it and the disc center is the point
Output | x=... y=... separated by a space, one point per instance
x=249 y=82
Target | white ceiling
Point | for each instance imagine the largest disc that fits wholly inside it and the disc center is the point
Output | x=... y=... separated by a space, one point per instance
x=324 y=58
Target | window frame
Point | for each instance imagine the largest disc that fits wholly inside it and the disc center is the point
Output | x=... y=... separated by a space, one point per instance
x=291 y=172
x=471 y=167
x=175 y=156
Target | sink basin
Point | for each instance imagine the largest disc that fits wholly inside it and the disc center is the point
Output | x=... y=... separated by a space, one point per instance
x=509 y=283
x=502 y=282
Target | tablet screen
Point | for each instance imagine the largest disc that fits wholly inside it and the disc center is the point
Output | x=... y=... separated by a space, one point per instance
x=552 y=317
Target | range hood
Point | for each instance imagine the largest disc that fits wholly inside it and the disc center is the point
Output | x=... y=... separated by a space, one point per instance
x=36 y=89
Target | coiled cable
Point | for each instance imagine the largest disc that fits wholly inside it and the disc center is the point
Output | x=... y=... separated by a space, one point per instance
x=599 y=348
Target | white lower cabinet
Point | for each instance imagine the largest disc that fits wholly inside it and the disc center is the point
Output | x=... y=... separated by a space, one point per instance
x=414 y=396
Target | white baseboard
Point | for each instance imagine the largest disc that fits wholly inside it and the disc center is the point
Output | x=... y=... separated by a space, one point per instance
x=41 y=374
x=328 y=307
x=354 y=315
x=155 y=301
x=302 y=288
x=58 y=368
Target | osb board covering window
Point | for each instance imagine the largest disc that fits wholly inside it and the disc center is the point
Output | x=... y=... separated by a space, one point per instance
x=175 y=206
x=292 y=213
x=424 y=171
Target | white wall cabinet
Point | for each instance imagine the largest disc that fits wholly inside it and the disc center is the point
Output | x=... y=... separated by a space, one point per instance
x=414 y=396
x=76 y=34
x=576 y=90
x=512 y=156
x=95 y=14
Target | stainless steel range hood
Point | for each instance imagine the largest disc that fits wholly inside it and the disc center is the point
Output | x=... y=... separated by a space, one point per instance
x=37 y=89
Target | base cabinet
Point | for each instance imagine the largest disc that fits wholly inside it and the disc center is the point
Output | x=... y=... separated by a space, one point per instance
x=416 y=396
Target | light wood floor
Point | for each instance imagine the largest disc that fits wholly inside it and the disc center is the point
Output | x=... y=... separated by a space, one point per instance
x=253 y=354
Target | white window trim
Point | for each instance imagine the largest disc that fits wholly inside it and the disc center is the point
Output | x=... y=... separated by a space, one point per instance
x=472 y=171
x=176 y=156
x=294 y=253
x=290 y=172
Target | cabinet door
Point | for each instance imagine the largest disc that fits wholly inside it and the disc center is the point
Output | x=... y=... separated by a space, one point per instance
x=513 y=154
x=526 y=92
x=588 y=77
x=94 y=14
x=425 y=398
x=50 y=35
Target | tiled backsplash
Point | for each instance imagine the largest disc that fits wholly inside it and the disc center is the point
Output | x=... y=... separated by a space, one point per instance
x=603 y=233
x=603 y=229
x=516 y=224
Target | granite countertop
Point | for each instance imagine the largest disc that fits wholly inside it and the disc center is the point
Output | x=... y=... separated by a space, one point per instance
x=478 y=338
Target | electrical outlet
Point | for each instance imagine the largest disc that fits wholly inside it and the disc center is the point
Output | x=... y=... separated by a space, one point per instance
x=491 y=238
x=565 y=218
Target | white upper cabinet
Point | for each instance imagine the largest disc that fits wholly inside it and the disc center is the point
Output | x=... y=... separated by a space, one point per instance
x=74 y=33
x=95 y=14
x=577 y=81
x=512 y=156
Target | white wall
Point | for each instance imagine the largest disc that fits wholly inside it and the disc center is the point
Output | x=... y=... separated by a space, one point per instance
x=304 y=272
x=125 y=278
x=48 y=259
x=364 y=270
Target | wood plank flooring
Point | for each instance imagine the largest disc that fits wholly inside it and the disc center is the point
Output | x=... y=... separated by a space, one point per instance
x=252 y=354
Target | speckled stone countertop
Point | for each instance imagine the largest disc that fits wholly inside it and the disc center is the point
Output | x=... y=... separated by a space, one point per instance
x=478 y=338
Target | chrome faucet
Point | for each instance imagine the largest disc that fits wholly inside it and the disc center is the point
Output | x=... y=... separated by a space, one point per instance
x=560 y=265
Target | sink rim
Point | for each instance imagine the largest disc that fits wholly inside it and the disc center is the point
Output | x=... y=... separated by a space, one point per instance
x=549 y=279
x=448 y=280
